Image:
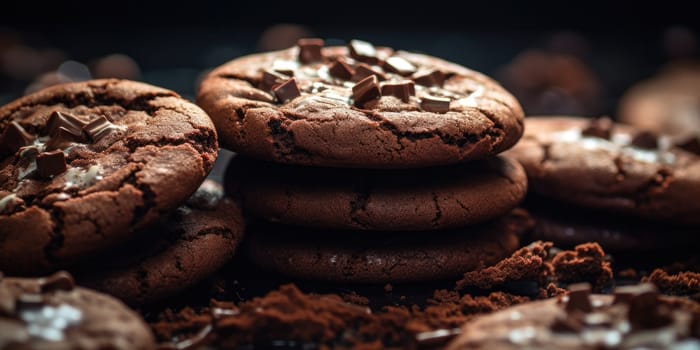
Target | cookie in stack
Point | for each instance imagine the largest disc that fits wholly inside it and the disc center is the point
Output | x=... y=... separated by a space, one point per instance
x=367 y=164
x=95 y=178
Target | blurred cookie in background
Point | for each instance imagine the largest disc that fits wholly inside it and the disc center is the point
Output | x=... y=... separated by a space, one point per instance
x=281 y=36
x=116 y=65
x=549 y=82
x=668 y=103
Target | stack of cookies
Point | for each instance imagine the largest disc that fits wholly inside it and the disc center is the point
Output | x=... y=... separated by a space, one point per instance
x=369 y=165
x=101 y=178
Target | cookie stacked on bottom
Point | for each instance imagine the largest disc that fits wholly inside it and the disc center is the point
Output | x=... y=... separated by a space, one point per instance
x=95 y=179
x=367 y=164
x=594 y=180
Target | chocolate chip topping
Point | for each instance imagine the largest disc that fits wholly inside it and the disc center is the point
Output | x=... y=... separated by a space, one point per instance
x=49 y=164
x=365 y=90
x=363 y=51
x=99 y=128
x=13 y=138
x=645 y=140
x=599 y=127
x=429 y=78
x=579 y=297
x=58 y=281
x=287 y=91
x=644 y=309
x=341 y=70
x=270 y=79
x=64 y=120
x=626 y=294
x=402 y=90
x=310 y=50
x=435 y=104
x=64 y=129
x=362 y=71
x=399 y=65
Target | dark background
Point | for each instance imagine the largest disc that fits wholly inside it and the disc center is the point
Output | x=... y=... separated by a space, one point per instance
x=174 y=43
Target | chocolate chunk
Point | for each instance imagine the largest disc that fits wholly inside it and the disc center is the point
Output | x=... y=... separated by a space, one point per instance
x=270 y=79
x=429 y=78
x=64 y=129
x=644 y=309
x=626 y=294
x=363 y=51
x=49 y=164
x=365 y=90
x=645 y=140
x=98 y=128
x=286 y=68
x=341 y=70
x=399 y=65
x=578 y=297
x=402 y=90
x=287 y=91
x=690 y=144
x=58 y=281
x=65 y=120
x=599 y=127
x=569 y=323
x=362 y=71
x=13 y=138
x=435 y=104
x=310 y=50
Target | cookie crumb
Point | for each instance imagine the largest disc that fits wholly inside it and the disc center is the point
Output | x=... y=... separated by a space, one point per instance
x=388 y=288
x=685 y=283
x=527 y=263
x=354 y=298
x=586 y=263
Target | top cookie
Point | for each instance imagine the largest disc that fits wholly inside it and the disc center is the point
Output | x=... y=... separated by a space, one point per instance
x=84 y=165
x=358 y=106
x=601 y=165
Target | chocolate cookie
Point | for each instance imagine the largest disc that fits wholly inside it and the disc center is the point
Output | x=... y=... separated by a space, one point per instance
x=51 y=313
x=636 y=317
x=85 y=165
x=602 y=165
x=381 y=257
x=381 y=200
x=358 y=106
x=186 y=247
x=669 y=103
x=567 y=226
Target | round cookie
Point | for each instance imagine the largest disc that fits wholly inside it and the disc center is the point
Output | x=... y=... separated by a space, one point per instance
x=379 y=200
x=669 y=103
x=51 y=313
x=184 y=248
x=567 y=226
x=83 y=166
x=384 y=257
x=600 y=165
x=636 y=317
x=417 y=111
